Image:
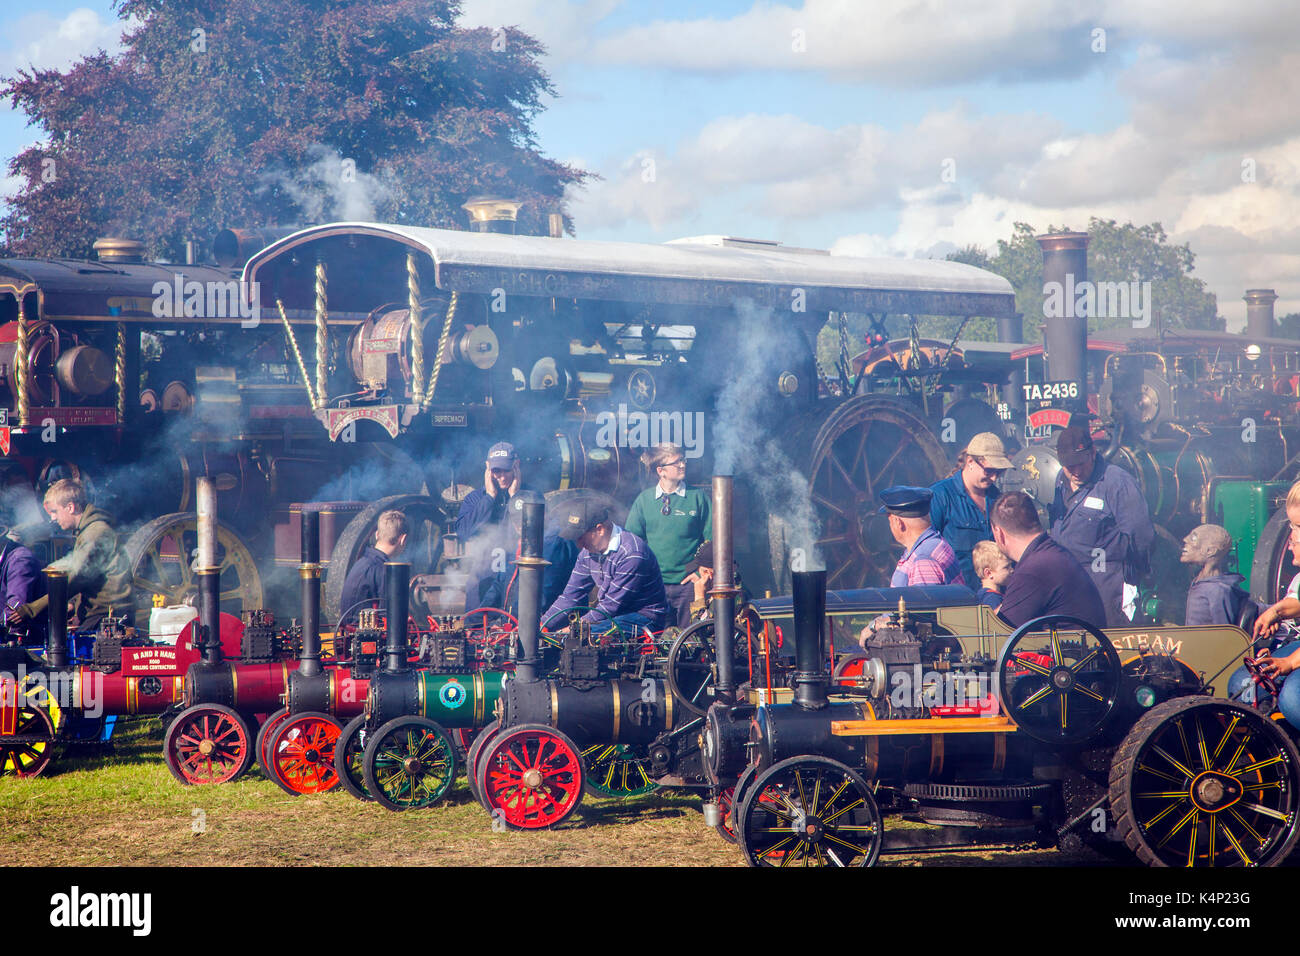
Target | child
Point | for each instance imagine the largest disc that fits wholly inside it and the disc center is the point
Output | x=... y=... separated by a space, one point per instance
x=993 y=569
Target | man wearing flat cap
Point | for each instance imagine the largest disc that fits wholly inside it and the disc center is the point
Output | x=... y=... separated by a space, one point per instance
x=927 y=557
x=959 y=509
x=618 y=564
x=1100 y=517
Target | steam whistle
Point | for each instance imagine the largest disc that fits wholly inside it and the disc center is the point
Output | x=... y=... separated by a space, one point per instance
x=902 y=614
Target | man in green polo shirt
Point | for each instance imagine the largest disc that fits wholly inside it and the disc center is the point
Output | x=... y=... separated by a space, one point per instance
x=674 y=521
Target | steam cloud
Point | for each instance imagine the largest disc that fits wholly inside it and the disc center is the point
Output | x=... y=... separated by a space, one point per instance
x=744 y=443
x=331 y=188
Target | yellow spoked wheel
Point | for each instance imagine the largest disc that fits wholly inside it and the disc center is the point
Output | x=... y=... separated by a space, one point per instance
x=617 y=770
x=1204 y=782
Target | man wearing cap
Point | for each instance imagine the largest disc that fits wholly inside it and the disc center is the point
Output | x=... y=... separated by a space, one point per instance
x=502 y=590
x=927 y=557
x=481 y=521
x=959 y=510
x=618 y=564
x=1100 y=517
x=1047 y=579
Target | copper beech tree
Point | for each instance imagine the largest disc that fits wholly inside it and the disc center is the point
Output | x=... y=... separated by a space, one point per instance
x=279 y=112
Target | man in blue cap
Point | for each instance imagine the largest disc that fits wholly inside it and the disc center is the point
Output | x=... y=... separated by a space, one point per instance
x=927 y=558
x=481 y=523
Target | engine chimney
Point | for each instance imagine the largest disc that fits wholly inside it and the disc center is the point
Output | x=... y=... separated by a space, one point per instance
x=490 y=214
x=530 y=565
x=118 y=251
x=809 y=621
x=397 y=583
x=1065 y=333
x=56 y=586
x=1259 y=314
x=309 y=572
x=724 y=590
x=1011 y=329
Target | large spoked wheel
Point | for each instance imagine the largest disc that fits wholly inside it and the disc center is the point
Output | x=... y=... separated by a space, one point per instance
x=349 y=758
x=1058 y=679
x=27 y=752
x=810 y=811
x=159 y=555
x=692 y=667
x=269 y=726
x=531 y=777
x=1206 y=782
x=409 y=764
x=617 y=770
x=424 y=522
x=301 y=753
x=208 y=743
x=473 y=755
x=867 y=443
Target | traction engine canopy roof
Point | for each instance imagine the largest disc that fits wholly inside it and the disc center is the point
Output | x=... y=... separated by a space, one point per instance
x=362 y=256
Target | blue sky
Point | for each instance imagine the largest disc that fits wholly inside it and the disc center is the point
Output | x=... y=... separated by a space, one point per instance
x=897 y=127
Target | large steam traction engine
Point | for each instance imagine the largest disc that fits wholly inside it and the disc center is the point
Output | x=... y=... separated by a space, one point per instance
x=1031 y=744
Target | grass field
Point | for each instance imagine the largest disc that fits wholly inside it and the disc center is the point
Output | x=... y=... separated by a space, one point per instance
x=126 y=810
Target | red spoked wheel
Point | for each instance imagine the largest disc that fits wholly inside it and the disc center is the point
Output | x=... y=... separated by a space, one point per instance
x=726 y=825
x=269 y=726
x=301 y=753
x=531 y=777
x=208 y=743
x=488 y=733
x=30 y=748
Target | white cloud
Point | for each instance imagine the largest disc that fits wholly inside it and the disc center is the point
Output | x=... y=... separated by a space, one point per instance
x=563 y=26
x=41 y=41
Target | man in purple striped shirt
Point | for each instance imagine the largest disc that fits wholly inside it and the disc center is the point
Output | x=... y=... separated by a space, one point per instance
x=618 y=564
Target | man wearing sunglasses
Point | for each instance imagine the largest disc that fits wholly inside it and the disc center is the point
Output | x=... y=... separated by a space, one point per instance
x=959 y=508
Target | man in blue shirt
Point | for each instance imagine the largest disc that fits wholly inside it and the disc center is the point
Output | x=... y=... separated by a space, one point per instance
x=959 y=509
x=618 y=564
x=481 y=525
x=502 y=590
x=1100 y=517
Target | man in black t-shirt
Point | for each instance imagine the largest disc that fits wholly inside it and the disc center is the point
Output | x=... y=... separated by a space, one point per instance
x=1047 y=578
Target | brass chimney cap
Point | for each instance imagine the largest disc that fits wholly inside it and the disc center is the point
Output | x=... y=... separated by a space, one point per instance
x=1260 y=295
x=1061 y=241
x=492 y=209
x=117 y=249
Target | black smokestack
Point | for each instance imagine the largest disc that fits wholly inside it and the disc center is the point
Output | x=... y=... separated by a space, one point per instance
x=530 y=565
x=1259 y=314
x=56 y=586
x=309 y=572
x=1065 y=333
x=210 y=613
x=724 y=589
x=397 y=582
x=809 y=620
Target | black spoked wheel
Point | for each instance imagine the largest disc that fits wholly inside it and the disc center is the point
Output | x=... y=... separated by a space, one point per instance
x=692 y=667
x=410 y=764
x=349 y=757
x=1058 y=679
x=1204 y=782
x=268 y=728
x=480 y=741
x=810 y=811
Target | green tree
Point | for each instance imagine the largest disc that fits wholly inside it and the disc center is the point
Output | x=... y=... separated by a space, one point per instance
x=261 y=112
x=1126 y=253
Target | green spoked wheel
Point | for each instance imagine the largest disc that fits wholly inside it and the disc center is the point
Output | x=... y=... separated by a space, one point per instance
x=617 y=770
x=350 y=756
x=1200 y=782
x=810 y=811
x=410 y=763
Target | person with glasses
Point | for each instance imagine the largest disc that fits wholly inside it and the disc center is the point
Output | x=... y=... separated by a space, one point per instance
x=1100 y=516
x=959 y=507
x=674 y=521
